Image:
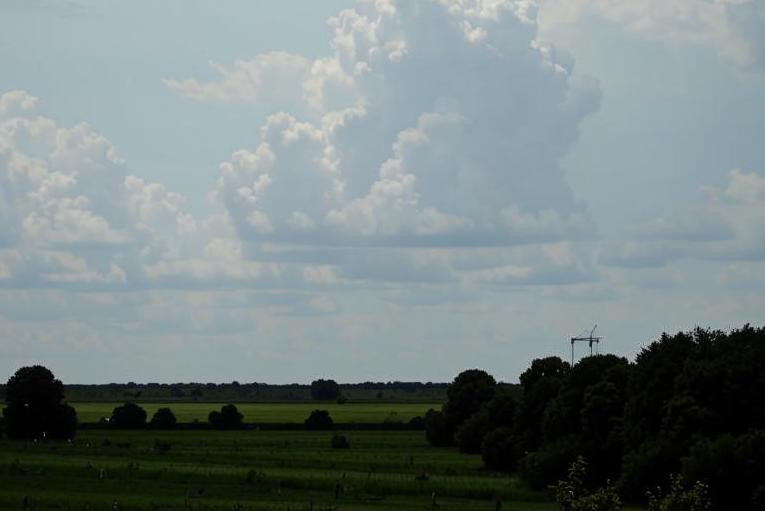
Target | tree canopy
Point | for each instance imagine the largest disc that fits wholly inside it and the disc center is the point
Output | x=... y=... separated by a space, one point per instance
x=325 y=390
x=35 y=407
x=690 y=404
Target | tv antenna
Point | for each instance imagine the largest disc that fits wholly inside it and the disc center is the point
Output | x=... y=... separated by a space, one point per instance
x=591 y=339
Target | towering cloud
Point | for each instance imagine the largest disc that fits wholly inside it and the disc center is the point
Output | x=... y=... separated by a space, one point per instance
x=431 y=123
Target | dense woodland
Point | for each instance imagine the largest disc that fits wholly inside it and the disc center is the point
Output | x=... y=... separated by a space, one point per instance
x=690 y=404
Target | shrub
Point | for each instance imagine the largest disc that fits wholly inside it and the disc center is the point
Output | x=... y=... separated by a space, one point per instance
x=227 y=418
x=319 y=420
x=339 y=442
x=547 y=465
x=571 y=494
x=679 y=498
x=163 y=419
x=128 y=416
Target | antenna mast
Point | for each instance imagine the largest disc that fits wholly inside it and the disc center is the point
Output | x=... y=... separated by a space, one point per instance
x=591 y=339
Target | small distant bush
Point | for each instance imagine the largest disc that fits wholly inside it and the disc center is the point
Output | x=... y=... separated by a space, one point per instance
x=571 y=495
x=128 y=416
x=319 y=420
x=227 y=418
x=339 y=442
x=342 y=400
x=164 y=418
x=679 y=498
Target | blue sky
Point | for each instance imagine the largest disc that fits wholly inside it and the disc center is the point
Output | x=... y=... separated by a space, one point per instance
x=279 y=191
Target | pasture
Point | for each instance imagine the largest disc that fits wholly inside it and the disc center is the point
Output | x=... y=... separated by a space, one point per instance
x=269 y=412
x=251 y=470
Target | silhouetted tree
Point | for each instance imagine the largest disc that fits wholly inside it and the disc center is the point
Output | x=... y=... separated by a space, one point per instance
x=34 y=406
x=128 y=416
x=227 y=418
x=325 y=390
x=319 y=420
x=469 y=390
x=164 y=418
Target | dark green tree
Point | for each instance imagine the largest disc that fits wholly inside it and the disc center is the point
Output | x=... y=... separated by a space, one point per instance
x=35 y=408
x=227 y=418
x=319 y=420
x=467 y=393
x=164 y=418
x=325 y=390
x=128 y=416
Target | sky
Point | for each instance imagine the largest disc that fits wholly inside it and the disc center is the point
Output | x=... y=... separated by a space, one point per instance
x=376 y=190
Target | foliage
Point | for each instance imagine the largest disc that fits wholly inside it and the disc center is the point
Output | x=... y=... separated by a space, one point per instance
x=732 y=465
x=500 y=450
x=339 y=442
x=571 y=493
x=548 y=463
x=128 y=416
x=470 y=434
x=319 y=420
x=35 y=408
x=325 y=390
x=164 y=418
x=679 y=498
x=227 y=418
x=467 y=393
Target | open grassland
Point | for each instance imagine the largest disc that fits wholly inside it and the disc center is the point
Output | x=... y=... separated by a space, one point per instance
x=269 y=412
x=251 y=470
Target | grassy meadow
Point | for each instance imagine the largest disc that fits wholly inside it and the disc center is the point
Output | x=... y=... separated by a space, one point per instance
x=268 y=412
x=250 y=470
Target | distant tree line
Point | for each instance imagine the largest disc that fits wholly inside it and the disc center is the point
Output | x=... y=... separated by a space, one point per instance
x=690 y=404
x=236 y=391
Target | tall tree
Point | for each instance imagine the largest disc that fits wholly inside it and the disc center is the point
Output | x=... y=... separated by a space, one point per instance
x=35 y=407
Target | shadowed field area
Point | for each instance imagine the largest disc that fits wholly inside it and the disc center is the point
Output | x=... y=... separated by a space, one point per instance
x=250 y=470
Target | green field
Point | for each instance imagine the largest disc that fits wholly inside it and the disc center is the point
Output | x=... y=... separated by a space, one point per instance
x=251 y=470
x=270 y=412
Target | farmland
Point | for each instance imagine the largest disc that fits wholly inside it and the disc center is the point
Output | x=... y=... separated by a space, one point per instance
x=270 y=412
x=255 y=470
